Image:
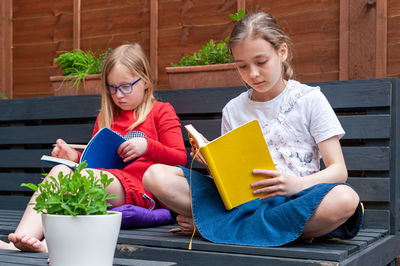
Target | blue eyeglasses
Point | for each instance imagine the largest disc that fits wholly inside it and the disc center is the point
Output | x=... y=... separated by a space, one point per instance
x=123 y=88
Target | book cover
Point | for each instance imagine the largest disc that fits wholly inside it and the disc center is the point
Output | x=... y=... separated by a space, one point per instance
x=231 y=159
x=101 y=152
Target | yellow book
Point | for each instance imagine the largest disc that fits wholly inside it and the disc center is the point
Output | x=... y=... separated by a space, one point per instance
x=231 y=159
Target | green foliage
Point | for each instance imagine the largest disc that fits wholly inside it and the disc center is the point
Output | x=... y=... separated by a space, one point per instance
x=73 y=194
x=238 y=16
x=212 y=53
x=2 y=96
x=80 y=63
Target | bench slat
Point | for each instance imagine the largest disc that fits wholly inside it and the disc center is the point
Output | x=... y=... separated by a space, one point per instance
x=26 y=159
x=62 y=107
x=367 y=158
x=13 y=181
x=80 y=133
x=329 y=250
x=372 y=127
x=350 y=94
x=369 y=188
x=366 y=126
x=357 y=93
x=376 y=219
x=360 y=93
x=356 y=127
x=357 y=158
x=14 y=202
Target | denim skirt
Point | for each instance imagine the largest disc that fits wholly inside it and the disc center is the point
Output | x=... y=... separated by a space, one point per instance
x=271 y=222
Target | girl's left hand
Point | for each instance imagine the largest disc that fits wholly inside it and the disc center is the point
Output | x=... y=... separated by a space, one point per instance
x=132 y=148
x=276 y=184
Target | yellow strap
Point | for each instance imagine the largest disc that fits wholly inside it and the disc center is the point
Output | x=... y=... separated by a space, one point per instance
x=191 y=203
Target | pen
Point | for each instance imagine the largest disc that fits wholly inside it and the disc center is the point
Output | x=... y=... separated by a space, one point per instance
x=75 y=146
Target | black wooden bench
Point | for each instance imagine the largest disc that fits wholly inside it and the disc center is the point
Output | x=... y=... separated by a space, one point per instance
x=369 y=111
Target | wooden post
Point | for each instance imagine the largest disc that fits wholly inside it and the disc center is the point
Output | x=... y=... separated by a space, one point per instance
x=77 y=25
x=381 y=39
x=363 y=39
x=6 y=52
x=344 y=32
x=241 y=4
x=154 y=40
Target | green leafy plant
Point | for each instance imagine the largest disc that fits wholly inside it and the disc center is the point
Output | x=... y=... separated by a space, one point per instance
x=73 y=194
x=79 y=64
x=2 y=96
x=238 y=16
x=213 y=52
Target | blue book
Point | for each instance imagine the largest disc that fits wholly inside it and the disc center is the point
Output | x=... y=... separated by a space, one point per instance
x=101 y=152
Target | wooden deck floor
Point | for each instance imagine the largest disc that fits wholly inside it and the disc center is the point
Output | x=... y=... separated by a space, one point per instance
x=157 y=246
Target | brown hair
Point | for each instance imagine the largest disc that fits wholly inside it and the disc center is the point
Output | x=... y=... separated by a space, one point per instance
x=263 y=25
x=132 y=57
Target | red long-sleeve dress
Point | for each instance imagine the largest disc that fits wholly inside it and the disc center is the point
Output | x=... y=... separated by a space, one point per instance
x=162 y=131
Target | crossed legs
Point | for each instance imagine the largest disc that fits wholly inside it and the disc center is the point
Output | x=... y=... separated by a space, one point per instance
x=29 y=233
x=168 y=184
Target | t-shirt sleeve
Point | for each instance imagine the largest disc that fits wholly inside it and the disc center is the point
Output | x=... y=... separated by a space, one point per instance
x=324 y=123
x=170 y=149
x=225 y=123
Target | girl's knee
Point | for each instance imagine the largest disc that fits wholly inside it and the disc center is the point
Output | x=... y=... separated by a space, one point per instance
x=57 y=169
x=153 y=176
x=345 y=199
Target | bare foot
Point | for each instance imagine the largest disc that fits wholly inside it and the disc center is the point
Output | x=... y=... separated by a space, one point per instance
x=27 y=243
x=306 y=240
x=187 y=225
x=4 y=245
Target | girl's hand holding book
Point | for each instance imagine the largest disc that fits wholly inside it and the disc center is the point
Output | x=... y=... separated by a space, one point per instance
x=276 y=184
x=64 y=151
x=199 y=158
x=132 y=148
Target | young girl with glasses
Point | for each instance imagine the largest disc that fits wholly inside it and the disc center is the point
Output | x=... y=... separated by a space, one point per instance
x=151 y=128
x=298 y=200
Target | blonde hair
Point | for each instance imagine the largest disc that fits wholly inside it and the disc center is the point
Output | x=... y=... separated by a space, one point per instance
x=263 y=25
x=133 y=58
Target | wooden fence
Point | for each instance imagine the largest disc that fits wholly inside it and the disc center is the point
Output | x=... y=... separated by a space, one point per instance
x=334 y=39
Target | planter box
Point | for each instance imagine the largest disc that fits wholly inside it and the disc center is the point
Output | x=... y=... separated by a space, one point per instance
x=63 y=86
x=207 y=76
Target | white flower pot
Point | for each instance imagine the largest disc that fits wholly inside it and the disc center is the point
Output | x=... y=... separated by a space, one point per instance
x=81 y=240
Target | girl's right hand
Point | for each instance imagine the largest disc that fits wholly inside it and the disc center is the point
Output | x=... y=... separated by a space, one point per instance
x=276 y=184
x=199 y=158
x=63 y=151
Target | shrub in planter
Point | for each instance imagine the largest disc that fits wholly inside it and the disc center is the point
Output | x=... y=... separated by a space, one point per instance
x=79 y=68
x=211 y=66
x=77 y=226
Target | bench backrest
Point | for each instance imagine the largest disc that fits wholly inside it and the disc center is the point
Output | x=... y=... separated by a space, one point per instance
x=367 y=109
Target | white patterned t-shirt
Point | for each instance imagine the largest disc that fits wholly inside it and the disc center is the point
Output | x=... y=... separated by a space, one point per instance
x=293 y=123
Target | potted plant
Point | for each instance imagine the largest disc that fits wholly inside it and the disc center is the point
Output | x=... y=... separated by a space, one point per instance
x=77 y=226
x=211 y=66
x=81 y=72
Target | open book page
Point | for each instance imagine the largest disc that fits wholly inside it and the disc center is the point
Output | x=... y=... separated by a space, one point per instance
x=195 y=136
x=197 y=141
x=56 y=160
